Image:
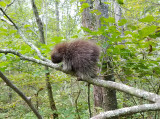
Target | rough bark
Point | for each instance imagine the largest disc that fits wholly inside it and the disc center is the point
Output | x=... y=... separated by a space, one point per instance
x=88 y=19
x=108 y=95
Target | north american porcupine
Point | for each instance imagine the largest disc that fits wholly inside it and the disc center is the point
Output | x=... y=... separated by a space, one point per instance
x=78 y=56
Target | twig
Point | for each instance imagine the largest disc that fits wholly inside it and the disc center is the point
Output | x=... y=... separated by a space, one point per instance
x=9 y=18
x=9 y=5
x=76 y=104
x=89 y=105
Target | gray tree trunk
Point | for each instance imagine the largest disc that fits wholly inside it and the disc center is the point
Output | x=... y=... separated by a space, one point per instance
x=109 y=95
x=103 y=97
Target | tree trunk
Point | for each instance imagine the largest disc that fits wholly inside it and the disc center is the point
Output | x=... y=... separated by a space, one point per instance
x=103 y=97
x=108 y=95
x=42 y=40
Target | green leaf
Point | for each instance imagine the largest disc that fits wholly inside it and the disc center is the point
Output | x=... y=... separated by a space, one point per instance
x=75 y=36
x=82 y=0
x=122 y=22
x=120 y=46
x=120 y=1
x=107 y=3
x=3 y=4
x=57 y=39
x=147 y=31
x=12 y=31
x=97 y=12
x=86 y=29
x=27 y=25
x=3 y=69
x=4 y=65
x=127 y=32
x=85 y=5
x=148 y=18
x=45 y=71
x=2 y=29
x=133 y=27
x=106 y=20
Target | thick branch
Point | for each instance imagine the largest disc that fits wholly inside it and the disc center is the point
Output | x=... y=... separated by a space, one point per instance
x=128 y=111
x=27 y=100
x=108 y=84
x=124 y=88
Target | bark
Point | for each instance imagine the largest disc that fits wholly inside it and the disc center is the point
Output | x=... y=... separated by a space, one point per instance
x=88 y=19
x=124 y=88
x=98 y=97
x=108 y=95
x=118 y=16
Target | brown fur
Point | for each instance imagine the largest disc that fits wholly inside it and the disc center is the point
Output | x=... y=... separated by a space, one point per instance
x=78 y=56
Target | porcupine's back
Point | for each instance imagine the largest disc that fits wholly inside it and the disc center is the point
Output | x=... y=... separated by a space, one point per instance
x=82 y=56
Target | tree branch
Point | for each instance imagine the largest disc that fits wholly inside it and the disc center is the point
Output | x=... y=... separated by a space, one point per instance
x=25 y=39
x=108 y=84
x=27 y=100
x=5 y=9
x=128 y=111
x=7 y=21
x=9 y=5
x=124 y=88
x=22 y=57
